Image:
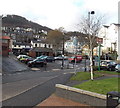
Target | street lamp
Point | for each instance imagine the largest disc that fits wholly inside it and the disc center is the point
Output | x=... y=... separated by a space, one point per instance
x=91 y=47
x=63 y=53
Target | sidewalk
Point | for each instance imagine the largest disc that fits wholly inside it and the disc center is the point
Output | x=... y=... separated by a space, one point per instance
x=54 y=100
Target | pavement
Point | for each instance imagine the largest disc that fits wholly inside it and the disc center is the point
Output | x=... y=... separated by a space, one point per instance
x=54 y=100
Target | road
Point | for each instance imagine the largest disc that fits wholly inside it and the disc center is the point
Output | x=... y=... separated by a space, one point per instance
x=30 y=86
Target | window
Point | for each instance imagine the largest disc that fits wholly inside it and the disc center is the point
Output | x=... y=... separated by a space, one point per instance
x=35 y=45
x=45 y=46
x=4 y=41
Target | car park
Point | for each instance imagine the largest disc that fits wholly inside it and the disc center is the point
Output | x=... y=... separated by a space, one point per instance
x=37 y=63
x=117 y=68
x=60 y=57
x=40 y=57
x=77 y=58
x=48 y=58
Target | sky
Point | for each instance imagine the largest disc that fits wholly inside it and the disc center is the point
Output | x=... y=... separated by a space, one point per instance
x=60 y=13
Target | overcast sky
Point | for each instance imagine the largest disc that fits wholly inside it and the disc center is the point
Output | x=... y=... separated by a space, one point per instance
x=60 y=13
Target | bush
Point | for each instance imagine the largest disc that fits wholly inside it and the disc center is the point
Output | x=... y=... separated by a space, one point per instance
x=95 y=68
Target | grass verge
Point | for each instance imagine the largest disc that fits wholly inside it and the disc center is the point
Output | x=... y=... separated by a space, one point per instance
x=100 y=86
x=107 y=72
x=80 y=76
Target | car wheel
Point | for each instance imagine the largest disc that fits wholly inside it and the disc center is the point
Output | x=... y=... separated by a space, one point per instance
x=110 y=69
x=41 y=65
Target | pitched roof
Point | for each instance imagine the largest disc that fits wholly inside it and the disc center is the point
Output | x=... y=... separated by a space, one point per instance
x=41 y=49
x=19 y=43
x=40 y=41
x=117 y=24
x=106 y=26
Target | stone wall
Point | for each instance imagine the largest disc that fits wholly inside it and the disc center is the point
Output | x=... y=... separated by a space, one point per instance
x=81 y=96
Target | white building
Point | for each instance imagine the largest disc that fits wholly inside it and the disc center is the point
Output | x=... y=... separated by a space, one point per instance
x=42 y=44
x=73 y=46
x=110 y=38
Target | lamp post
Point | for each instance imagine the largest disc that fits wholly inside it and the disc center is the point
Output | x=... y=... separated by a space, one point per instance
x=91 y=47
x=63 y=53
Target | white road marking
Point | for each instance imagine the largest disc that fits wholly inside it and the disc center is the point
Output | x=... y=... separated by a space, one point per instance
x=35 y=68
x=19 y=87
x=56 y=69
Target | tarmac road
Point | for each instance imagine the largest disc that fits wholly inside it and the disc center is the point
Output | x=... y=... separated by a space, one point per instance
x=37 y=93
x=24 y=86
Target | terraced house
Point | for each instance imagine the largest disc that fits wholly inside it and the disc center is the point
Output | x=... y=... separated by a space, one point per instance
x=111 y=39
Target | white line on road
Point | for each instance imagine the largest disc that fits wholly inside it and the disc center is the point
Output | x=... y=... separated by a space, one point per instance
x=16 y=88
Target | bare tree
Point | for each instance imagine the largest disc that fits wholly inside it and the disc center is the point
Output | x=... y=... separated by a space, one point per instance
x=57 y=38
x=90 y=25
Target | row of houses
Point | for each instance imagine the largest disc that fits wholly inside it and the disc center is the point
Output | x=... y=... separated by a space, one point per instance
x=37 y=48
x=109 y=34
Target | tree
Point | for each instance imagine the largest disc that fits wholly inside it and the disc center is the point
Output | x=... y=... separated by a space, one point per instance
x=55 y=38
x=90 y=25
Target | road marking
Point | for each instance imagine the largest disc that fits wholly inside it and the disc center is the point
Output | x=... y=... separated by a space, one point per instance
x=35 y=68
x=56 y=69
x=14 y=91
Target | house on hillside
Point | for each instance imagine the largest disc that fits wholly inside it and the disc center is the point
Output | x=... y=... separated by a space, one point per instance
x=72 y=45
x=40 y=47
x=21 y=48
x=40 y=43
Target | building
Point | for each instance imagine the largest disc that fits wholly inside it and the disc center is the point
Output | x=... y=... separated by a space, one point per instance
x=38 y=51
x=110 y=38
x=5 y=40
x=40 y=43
x=21 y=48
x=40 y=47
x=72 y=45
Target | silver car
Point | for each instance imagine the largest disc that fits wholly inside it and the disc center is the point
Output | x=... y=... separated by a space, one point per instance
x=117 y=68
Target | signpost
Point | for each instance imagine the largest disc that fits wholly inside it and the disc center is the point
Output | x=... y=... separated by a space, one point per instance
x=99 y=41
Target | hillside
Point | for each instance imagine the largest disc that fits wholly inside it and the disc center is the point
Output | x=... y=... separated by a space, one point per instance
x=18 y=21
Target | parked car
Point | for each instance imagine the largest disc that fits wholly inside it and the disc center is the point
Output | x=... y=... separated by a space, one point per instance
x=40 y=57
x=48 y=58
x=37 y=62
x=78 y=58
x=111 y=66
x=107 y=65
x=26 y=59
x=60 y=57
x=20 y=56
x=117 y=68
